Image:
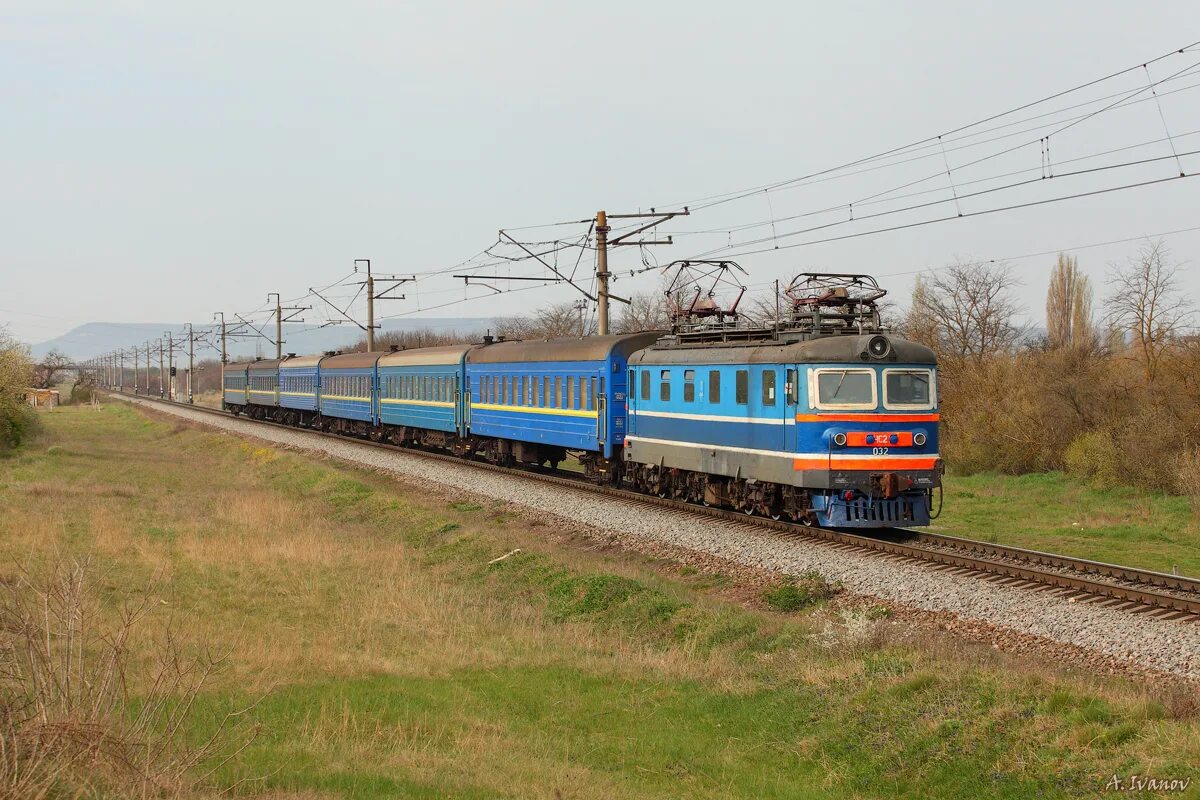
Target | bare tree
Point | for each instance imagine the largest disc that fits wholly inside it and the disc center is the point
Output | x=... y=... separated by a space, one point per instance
x=1147 y=303
x=49 y=368
x=1069 y=307
x=966 y=311
x=548 y=322
x=647 y=311
x=766 y=307
x=407 y=340
x=919 y=322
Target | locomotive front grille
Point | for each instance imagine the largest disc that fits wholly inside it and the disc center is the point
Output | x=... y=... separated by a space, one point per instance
x=866 y=512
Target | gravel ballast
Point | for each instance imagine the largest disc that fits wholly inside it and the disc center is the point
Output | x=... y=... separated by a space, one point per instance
x=1166 y=646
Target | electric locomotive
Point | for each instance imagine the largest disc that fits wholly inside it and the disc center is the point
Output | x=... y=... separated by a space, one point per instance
x=824 y=418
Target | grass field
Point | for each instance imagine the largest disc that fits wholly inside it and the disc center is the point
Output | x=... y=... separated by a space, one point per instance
x=389 y=656
x=1061 y=514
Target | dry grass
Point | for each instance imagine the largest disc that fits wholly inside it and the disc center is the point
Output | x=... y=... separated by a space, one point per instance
x=71 y=721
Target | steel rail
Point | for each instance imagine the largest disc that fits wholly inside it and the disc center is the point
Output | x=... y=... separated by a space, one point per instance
x=993 y=561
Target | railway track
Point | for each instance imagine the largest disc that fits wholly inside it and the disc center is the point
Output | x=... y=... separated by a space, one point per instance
x=1161 y=595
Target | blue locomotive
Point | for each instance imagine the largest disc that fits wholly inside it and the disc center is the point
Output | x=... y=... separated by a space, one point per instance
x=823 y=418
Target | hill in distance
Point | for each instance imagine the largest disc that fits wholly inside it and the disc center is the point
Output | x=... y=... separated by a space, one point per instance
x=96 y=338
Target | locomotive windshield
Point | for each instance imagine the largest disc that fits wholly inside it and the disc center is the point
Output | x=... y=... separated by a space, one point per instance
x=846 y=387
x=907 y=388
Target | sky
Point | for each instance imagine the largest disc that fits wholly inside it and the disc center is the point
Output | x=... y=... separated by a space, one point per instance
x=164 y=161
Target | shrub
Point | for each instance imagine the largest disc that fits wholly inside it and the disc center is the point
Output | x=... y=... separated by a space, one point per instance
x=1093 y=456
x=81 y=394
x=16 y=419
x=799 y=593
x=1187 y=477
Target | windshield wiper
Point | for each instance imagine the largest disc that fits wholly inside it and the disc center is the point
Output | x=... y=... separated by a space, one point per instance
x=841 y=380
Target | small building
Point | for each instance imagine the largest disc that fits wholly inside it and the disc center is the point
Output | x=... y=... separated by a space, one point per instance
x=42 y=398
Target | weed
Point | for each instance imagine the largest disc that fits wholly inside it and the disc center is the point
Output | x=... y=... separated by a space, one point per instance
x=885 y=664
x=69 y=725
x=799 y=593
x=850 y=631
x=877 y=612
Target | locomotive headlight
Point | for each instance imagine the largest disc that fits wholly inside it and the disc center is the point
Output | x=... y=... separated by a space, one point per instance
x=839 y=439
x=879 y=346
x=919 y=439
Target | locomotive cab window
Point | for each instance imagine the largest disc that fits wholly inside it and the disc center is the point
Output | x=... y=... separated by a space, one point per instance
x=645 y=384
x=845 y=388
x=912 y=389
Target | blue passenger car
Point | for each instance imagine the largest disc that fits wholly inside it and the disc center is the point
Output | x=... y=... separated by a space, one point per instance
x=264 y=383
x=423 y=389
x=347 y=389
x=549 y=396
x=234 y=385
x=298 y=383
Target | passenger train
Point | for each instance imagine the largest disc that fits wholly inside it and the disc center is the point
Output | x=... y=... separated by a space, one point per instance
x=826 y=419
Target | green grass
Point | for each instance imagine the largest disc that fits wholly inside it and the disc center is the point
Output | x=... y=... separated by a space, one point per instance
x=1058 y=513
x=392 y=656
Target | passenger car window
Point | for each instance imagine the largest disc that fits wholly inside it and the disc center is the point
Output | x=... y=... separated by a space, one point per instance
x=689 y=385
x=768 y=387
x=907 y=388
x=846 y=387
x=741 y=389
x=664 y=386
x=714 y=386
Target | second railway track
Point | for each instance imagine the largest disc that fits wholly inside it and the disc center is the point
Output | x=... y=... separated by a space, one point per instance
x=1161 y=595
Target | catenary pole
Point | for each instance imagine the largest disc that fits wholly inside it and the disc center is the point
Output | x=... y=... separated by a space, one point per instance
x=191 y=362
x=278 y=324
x=170 y=366
x=224 y=352
x=602 y=273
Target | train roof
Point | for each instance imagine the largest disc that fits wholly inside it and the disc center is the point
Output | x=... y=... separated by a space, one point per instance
x=839 y=349
x=236 y=366
x=351 y=361
x=297 y=362
x=264 y=365
x=425 y=356
x=587 y=348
